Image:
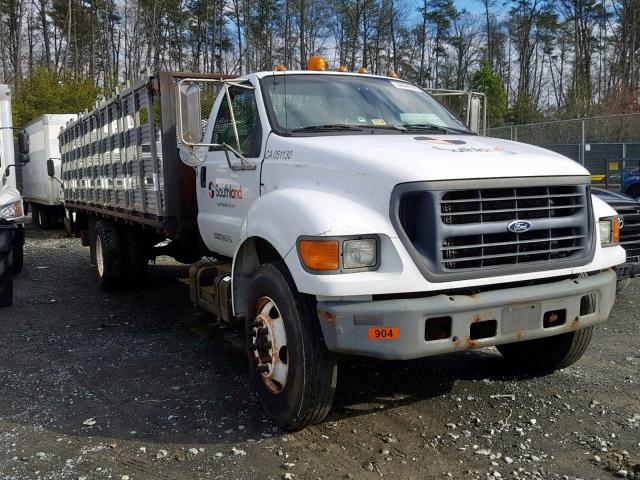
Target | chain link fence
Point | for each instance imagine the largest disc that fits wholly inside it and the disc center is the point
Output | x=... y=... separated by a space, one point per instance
x=608 y=146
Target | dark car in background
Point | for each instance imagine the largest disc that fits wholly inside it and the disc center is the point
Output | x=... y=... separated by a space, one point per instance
x=631 y=183
x=629 y=217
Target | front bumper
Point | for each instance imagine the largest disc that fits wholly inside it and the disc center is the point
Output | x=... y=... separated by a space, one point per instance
x=514 y=314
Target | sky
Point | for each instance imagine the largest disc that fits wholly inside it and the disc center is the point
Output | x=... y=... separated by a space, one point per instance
x=473 y=6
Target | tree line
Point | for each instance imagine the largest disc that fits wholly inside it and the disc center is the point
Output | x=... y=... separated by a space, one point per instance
x=535 y=59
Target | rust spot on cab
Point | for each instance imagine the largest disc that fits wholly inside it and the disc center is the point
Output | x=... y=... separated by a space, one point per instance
x=519 y=334
x=327 y=316
x=472 y=343
x=476 y=318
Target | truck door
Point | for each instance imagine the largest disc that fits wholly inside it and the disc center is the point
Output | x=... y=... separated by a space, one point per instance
x=226 y=186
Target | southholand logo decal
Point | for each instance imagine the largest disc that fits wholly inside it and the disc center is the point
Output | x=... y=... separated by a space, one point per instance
x=439 y=143
x=224 y=190
x=519 y=226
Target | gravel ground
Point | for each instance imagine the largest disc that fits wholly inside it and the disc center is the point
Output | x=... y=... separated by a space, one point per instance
x=119 y=386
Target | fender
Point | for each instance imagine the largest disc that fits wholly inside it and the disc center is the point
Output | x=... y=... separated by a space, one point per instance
x=280 y=217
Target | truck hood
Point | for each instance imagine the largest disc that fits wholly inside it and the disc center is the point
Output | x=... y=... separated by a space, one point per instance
x=422 y=157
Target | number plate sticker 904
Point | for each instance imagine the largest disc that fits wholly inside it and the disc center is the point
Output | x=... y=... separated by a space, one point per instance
x=389 y=333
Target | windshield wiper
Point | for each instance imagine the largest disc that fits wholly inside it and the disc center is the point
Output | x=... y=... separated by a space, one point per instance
x=326 y=128
x=435 y=128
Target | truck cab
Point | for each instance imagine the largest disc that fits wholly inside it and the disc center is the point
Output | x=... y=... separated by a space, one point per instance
x=353 y=214
x=12 y=216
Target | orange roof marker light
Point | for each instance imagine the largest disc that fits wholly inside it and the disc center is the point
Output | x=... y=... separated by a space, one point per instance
x=280 y=68
x=363 y=70
x=341 y=68
x=317 y=63
x=392 y=74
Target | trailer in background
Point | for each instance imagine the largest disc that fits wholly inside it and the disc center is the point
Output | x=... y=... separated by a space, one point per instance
x=42 y=192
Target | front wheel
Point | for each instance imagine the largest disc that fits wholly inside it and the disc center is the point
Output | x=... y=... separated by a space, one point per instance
x=545 y=355
x=6 y=283
x=293 y=371
x=18 y=258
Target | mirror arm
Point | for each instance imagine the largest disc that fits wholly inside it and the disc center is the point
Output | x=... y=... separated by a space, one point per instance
x=244 y=163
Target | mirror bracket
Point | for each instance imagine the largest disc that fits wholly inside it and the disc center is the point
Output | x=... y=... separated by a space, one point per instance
x=190 y=146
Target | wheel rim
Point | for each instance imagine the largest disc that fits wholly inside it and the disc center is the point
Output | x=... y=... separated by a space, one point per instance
x=269 y=346
x=99 y=259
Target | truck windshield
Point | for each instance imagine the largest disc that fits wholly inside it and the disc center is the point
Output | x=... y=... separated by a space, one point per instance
x=303 y=103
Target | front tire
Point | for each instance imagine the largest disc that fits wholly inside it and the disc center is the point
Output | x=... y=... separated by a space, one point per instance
x=109 y=264
x=6 y=283
x=545 y=355
x=293 y=371
x=18 y=258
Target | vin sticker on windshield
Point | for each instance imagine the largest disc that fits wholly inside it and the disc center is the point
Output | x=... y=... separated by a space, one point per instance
x=406 y=86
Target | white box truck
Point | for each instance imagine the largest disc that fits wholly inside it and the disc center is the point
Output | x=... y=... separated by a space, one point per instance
x=347 y=214
x=42 y=192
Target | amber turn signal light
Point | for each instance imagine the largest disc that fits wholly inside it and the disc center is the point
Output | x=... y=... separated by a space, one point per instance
x=321 y=255
x=317 y=63
x=616 y=230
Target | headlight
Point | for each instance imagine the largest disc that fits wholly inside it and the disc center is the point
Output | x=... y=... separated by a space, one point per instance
x=359 y=253
x=609 y=231
x=338 y=255
x=11 y=211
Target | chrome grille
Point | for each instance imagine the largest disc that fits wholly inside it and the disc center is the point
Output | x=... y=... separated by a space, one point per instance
x=499 y=227
x=490 y=250
x=500 y=204
x=555 y=214
x=630 y=231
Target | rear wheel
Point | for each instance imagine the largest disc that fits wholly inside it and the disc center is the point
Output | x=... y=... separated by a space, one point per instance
x=545 y=355
x=109 y=265
x=135 y=255
x=35 y=218
x=46 y=218
x=293 y=371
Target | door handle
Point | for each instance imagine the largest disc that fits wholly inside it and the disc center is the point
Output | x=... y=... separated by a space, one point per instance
x=203 y=177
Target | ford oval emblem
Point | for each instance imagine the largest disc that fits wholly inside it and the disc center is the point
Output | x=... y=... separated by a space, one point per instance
x=519 y=226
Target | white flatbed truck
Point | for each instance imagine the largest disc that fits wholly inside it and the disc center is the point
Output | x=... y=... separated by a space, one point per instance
x=343 y=214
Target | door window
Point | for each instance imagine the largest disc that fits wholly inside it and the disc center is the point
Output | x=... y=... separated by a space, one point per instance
x=245 y=111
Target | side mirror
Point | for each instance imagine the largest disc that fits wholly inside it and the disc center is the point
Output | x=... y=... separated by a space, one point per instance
x=188 y=157
x=190 y=113
x=51 y=169
x=23 y=142
x=474 y=114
